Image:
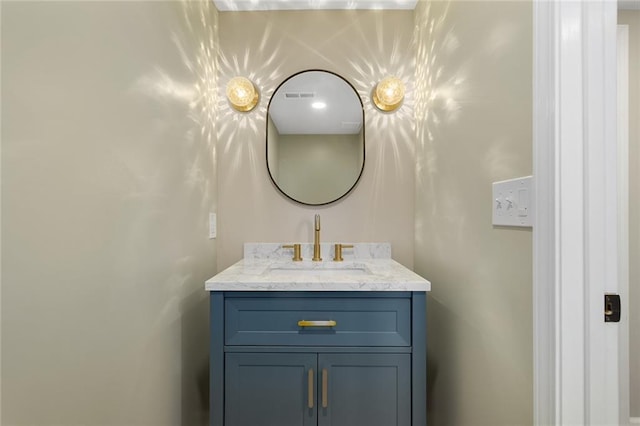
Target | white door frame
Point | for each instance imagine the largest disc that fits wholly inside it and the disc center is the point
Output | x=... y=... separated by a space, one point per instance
x=575 y=241
x=623 y=208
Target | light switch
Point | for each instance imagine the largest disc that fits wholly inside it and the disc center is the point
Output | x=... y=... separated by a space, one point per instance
x=512 y=202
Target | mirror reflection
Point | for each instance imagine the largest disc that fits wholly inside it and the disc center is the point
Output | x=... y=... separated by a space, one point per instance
x=315 y=137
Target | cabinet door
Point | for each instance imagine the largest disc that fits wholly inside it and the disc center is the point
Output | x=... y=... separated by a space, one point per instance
x=270 y=389
x=364 y=390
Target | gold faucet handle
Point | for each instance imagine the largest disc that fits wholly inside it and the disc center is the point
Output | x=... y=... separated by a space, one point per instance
x=297 y=252
x=337 y=253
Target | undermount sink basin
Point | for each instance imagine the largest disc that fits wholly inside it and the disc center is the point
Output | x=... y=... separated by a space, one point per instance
x=313 y=270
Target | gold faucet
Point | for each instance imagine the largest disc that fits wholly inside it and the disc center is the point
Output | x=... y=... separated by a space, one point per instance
x=297 y=256
x=316 y=240
x=337 y=257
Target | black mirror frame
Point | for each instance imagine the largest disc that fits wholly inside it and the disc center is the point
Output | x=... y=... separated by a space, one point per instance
x=363 y=139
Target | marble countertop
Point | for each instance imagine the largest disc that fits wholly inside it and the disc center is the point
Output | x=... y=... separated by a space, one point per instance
x=268 y=267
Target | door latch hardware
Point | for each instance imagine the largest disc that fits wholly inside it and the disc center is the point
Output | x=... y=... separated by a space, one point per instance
x=611 y=308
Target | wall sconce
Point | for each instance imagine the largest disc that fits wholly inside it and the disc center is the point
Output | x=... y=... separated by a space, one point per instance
x=388 y=94
x=242 y=94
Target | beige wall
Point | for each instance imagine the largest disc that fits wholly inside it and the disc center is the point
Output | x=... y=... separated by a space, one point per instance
x=361 y=46
x=107 y=180
x=632 y=19
x=474 y=127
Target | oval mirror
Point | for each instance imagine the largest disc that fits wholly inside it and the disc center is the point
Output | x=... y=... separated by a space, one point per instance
x=315 y=137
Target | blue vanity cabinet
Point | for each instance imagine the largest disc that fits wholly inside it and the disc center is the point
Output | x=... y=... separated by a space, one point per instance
x=270 y=389
x=302 y=389
x=369 y=369
x=364 y=389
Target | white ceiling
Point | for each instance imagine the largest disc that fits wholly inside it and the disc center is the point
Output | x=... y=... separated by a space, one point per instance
x=292 y=113
x=226 y=5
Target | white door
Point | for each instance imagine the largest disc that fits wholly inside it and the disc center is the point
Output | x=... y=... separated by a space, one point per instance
x=577 y=365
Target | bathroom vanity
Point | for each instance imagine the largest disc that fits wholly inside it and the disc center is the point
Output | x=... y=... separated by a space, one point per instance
x=317 y=343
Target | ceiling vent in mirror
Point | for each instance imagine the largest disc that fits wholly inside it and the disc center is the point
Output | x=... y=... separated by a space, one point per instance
x=298 y=95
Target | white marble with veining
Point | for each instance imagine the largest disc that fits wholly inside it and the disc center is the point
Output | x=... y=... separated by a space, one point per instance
x=268 y=267
x=359 y=251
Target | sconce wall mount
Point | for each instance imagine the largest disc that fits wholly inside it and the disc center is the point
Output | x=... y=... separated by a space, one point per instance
x=242 y=94
x=388 y=94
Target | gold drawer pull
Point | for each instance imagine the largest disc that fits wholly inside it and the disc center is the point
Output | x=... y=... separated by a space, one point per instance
x=310 y=391
x=329 y=323
x=325 y=379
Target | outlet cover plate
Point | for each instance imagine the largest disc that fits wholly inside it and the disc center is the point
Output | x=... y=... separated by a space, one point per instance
x=213 y=227
x=513 y=202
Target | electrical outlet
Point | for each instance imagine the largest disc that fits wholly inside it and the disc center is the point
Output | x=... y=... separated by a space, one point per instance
x=213 y=227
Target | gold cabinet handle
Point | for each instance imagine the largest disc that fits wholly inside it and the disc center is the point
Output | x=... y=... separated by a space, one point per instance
x=329 y=323
x=310 y=391
x=325 y=380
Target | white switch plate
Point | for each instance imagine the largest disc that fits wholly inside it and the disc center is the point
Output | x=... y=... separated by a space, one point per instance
x=513 y=202
x=213 y=228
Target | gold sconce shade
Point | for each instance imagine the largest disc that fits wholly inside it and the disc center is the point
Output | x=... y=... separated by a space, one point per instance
x=242 y=94
x=388 y=94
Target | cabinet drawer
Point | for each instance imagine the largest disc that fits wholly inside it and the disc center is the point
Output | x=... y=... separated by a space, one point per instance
x=275 y=321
